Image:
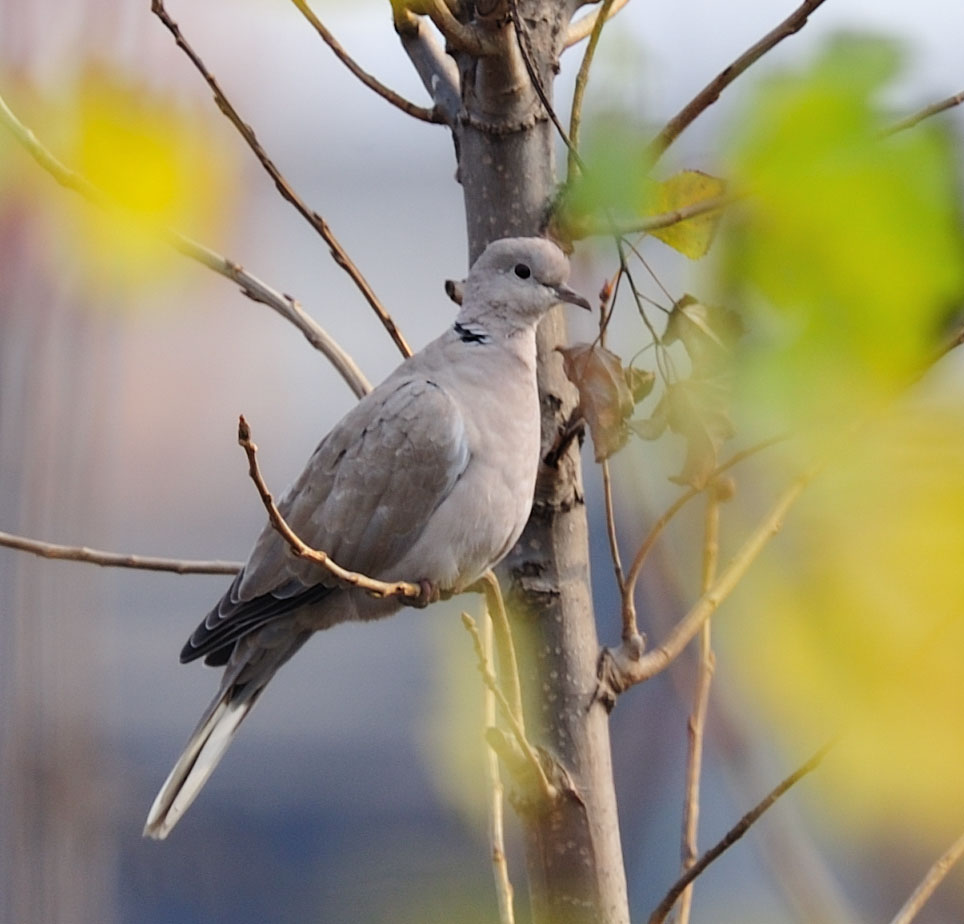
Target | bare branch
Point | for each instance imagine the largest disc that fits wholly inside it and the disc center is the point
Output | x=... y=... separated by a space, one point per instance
x=339 y=254
x=582 y=79
x=301 y=550
x=249 y=284
x=696 y=726
x=508 y=663
x=500 y=867
x=525 y=48
x=925 y=113
x=437 y=70
x=935 y=875
x=386 y=93
x=734 y=834
x=626 y=665
x=629 y=608
x=611 y=526
x=116 y=559
x=711 y=92
x=549 y=792
x=579 y=29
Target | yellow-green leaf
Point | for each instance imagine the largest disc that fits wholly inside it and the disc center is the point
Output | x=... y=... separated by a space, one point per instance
x=693 y=236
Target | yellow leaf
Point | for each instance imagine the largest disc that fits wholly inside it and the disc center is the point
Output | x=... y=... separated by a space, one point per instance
x=693 y=236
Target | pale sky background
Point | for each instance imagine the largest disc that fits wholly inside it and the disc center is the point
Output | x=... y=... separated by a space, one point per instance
x=176 y=366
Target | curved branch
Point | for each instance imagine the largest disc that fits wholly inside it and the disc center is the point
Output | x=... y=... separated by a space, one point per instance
x=584 y=26
x=249 y=284
x=711 y=92
x=338 y=253
x=386 y=93
x=412 y=592
x=115 y=559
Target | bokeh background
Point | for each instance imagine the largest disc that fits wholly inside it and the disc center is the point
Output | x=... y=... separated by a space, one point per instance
x=348 y=796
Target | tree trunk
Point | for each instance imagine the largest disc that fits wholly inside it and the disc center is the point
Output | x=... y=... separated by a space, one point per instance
x=505 y=142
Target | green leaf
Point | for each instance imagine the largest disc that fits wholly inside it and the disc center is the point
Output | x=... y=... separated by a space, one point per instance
x=848 y=252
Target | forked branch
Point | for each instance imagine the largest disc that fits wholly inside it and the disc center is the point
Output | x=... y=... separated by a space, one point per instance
x=386 y=93
x=339 y=254
x=734 y=834
x=249 y=284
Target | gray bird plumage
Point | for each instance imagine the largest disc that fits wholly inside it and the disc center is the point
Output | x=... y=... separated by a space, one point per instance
x=429 y=478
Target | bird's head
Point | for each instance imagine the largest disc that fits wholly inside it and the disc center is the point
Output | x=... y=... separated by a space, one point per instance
x=514 y=282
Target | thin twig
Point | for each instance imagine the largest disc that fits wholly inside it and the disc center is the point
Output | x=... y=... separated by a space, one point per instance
x=629 y=608
x=734 y=834
x=116 y=559
x=339 y=254
x=500 y=867
x=611 y=526
x=925 y=113
x=582 y=79
x=935 y=875
x=584 y=26
x=650 y=223
x=300 y=549
x=711 y=92
x=508 y=663
x=249 y=284
x=386 y=93
x=525 y=48
x=549 y=791
x=696 y=725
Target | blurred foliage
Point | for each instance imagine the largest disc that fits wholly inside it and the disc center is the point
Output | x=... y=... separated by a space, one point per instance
x=847 y=255
x=155 y=159
x=845 y=260
x=832 y=286
x=854 y=623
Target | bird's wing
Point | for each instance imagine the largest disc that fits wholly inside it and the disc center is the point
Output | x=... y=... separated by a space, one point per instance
x=365 y=497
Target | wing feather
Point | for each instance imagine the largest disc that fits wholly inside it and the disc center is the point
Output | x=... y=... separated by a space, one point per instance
x=364 y=497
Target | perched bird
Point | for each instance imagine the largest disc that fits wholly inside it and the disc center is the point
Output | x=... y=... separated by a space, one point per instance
x=428 y=479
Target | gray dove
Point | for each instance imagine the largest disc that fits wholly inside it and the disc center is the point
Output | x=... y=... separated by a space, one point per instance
x=428 y=479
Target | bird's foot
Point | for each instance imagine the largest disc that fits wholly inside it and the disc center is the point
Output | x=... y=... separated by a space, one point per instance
x=430 y=593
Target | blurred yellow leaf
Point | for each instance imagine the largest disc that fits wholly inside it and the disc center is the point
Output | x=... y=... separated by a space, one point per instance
x=152 y=158
x=693 y=236
x=854 y=622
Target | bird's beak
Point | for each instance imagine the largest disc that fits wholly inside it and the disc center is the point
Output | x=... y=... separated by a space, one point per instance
x=571 y=296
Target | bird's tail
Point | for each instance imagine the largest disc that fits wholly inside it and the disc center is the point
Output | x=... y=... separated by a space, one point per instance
x=204 y=750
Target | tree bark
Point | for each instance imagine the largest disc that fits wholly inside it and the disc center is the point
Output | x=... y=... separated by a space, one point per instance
x=504 y=141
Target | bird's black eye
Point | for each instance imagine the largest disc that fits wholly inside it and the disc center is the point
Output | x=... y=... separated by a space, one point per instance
x=522 y=271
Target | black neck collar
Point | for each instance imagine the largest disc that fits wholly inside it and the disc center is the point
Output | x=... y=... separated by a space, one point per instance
x=467 y=335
